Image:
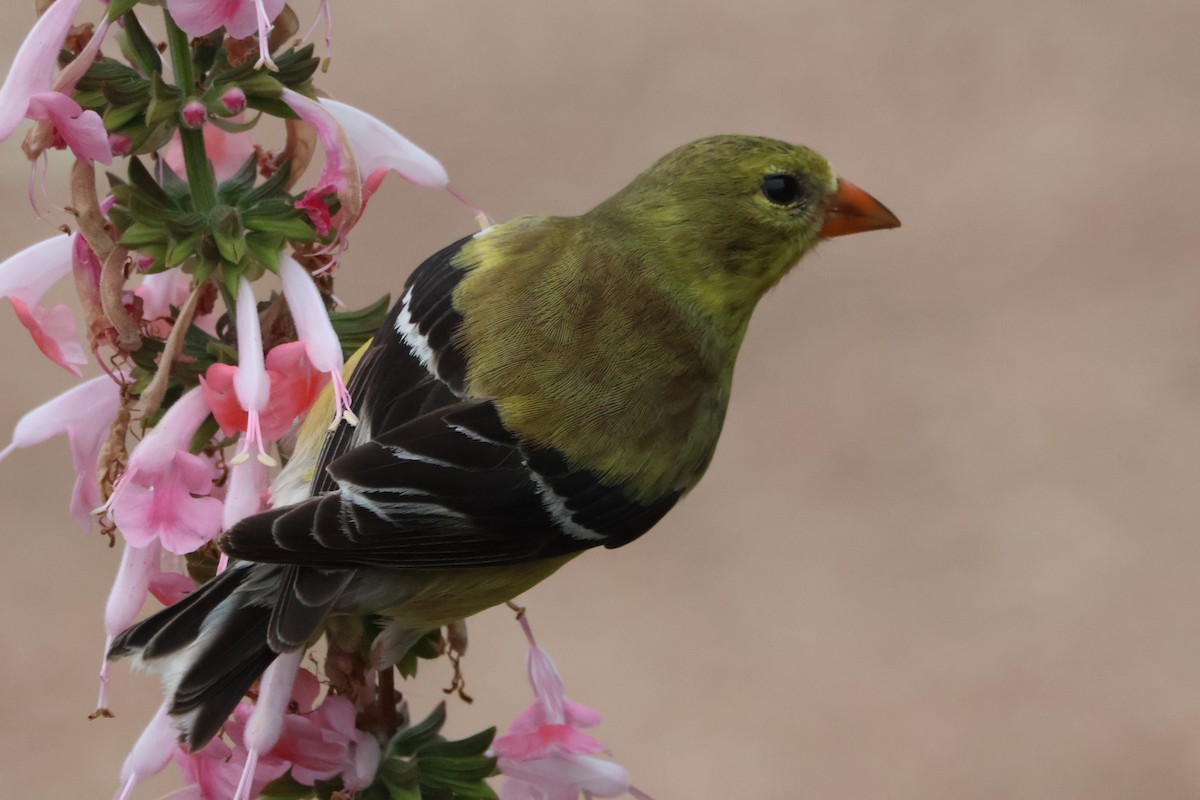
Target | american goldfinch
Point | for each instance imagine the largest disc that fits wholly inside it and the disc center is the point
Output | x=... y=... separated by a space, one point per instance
x=542 y=387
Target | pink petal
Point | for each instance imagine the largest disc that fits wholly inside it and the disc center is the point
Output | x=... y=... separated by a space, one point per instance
x=83 y=131
x=132 y=584
x=251 y=383
x=565 y=776
x=169 y=588
x=378 y=146
x=83 y=413
x=162 y=290
x=29 y=274
x=546 y=740
x=32 y=69
x=200 y=17
x=243 y=21
x=54 y=333
x=244 y=492
x=152 y=751
x=312 y=320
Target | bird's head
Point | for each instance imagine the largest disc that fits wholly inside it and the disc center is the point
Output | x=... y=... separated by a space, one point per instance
x=727 y=216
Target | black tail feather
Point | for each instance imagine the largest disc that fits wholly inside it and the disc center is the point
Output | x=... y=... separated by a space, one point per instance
x=210 y=647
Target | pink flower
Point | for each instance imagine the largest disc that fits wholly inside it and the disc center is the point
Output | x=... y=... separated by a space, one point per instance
x=28 y=275
x=379 y=148
x=251 y=384
x=150 y=753
x=30 y=91
x=545 y=755
x=295 y=385
x=216 y=769
x=314 y=329
x=240 y=18
x=314 y=744
x=83 y=413
x=164 y=493
x=359 y=152
x=340 y=174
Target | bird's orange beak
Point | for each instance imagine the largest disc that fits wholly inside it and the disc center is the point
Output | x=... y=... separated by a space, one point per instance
x=851 y=210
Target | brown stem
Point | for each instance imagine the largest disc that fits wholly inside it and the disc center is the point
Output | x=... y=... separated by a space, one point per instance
x=112 y=281
x=86 y=204
x=298 y=149
x=387 y=700
x=152 y=396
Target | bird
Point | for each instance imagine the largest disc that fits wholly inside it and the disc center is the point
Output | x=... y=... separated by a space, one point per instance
x=544 y=386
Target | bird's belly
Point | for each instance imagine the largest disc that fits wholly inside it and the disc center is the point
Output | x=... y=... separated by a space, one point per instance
x=429 y=598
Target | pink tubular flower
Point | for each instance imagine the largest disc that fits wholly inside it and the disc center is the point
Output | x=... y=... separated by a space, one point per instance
x=83 y=413
x=149 y=755
x=295 y=385
x=315 y=331
x=340 y=174
x=30 y=92
x=545 y=755
x=251 y=384
x=28 y=275
x=379 y=148
x=164 y=493
x=240 y=18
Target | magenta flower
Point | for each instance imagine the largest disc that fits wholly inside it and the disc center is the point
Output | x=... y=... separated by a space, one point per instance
x=545 y=755
x=29 y=91
x=314 y=329
x=240 y=18
x=28 y=275
x=164 y=493
x=83 y=413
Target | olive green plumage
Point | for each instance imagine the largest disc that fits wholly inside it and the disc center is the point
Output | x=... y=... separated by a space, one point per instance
x=628 y=318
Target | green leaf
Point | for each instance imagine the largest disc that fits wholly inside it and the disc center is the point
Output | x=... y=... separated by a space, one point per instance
x=407 y=740
x=286 y=787
x=118 y=116
x=179 y=251
x=265 y=248
x=355 y=328
x=228 y=233
x=119 y=8
x=137 y=46
x=471 y=746
x=139 y=234
x=296 y=67
x=143 y=182
x=233 y=188
x=165 y=101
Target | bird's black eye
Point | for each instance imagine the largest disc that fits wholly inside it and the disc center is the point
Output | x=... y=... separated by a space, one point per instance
x=781 y=189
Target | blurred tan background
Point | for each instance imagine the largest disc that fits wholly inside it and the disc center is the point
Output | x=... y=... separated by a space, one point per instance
x=949 y=545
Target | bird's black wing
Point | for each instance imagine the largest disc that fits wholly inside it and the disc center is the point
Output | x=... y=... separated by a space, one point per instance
x=438 y=482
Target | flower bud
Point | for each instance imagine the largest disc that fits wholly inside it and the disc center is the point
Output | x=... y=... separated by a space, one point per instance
x=234 y=100
x=194 y=114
